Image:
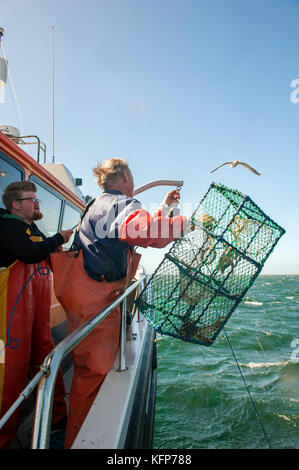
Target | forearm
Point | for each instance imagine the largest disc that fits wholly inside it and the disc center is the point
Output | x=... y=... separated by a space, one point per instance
x=157 y=231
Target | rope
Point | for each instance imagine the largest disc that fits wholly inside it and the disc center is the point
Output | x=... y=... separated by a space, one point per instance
x=248 y=391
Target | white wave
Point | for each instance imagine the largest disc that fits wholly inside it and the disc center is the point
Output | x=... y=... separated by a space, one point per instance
x=253 y=302
x=258 y=365
x=291 y=298
x=284 y=417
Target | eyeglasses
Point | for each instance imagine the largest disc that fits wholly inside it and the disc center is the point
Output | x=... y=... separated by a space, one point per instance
x=33 y=199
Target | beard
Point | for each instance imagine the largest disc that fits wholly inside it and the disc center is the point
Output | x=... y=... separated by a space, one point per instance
x=37 y=215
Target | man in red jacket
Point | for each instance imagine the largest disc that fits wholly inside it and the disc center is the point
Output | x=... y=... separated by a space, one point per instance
x=25 y=298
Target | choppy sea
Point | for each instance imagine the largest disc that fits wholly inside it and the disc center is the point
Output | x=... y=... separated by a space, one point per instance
x=202 y=402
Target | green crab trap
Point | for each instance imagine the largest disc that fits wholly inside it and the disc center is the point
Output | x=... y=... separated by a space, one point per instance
x=207 y=272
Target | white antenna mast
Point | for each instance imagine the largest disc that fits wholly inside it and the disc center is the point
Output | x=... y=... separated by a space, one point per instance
x=53 y=103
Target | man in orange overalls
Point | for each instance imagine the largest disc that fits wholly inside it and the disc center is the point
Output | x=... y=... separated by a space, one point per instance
x=25 y=299
x=112 y=226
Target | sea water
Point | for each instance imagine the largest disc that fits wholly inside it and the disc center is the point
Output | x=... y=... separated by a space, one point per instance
x=202 y=401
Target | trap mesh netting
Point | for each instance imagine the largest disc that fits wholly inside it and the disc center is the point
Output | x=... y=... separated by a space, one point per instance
x=206 y=273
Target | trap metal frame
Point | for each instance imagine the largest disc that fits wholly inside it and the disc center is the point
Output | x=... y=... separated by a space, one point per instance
x=207 y=272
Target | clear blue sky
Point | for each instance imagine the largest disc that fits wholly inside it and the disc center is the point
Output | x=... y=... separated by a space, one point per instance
x=176 y=87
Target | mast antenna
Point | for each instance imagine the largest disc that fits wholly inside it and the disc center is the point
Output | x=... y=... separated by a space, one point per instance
x=53 y=100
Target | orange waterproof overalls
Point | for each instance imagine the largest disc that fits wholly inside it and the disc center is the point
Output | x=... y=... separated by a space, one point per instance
x=82 y=298
x=25 y=337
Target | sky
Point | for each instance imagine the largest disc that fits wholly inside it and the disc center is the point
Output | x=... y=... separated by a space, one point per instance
x=175 y=87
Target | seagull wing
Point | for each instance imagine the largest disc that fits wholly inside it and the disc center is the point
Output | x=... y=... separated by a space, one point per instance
x=249 y=168
x=226 y=163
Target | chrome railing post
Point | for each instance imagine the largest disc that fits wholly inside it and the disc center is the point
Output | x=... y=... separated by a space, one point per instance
x=140 y=288
x=122 y=348
x=44 y=403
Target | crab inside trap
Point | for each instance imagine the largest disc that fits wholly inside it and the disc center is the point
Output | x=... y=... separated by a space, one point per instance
x=206 y=273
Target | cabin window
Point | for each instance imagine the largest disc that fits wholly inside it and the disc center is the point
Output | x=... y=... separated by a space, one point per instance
x=10 y=171
x=50 y=207
x=71 y=216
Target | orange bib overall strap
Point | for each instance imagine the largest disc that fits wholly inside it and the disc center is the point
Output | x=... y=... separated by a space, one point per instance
x=25 y=298
x=82 y=298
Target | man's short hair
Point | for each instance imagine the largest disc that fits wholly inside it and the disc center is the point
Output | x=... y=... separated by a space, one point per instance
x=14 y=190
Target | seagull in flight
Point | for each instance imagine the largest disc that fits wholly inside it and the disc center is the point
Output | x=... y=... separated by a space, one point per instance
x=235 y=163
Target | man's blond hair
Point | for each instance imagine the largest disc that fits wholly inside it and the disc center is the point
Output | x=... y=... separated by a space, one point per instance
x=108 y=171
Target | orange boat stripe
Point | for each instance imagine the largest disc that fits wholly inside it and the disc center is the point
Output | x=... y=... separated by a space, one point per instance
x=4 y=275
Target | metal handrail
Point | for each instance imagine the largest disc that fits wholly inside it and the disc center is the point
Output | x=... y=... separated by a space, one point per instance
x=40 y=145
x=44 y=404
x=46 y=378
